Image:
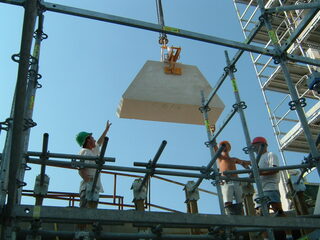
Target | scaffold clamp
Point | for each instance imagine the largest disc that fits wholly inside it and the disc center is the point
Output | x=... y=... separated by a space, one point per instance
x=205 y=108
x=29 y=123
x=139 y=192
x=191 y=193
x=241 y=105
x=231 y=68
x=215 y=181
x=246 y=150
x=299 y=102
x=41 y=189
x=211 y=143
x=279 y=57
x=6 y=123
x=261 y=200
x=16 y=58
x=21 y=183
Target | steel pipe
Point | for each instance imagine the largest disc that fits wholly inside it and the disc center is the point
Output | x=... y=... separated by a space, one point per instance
x=267 y=169
x=230 y=116
x=69 y=156
x=44 y=157
x=152 y=164
x=20 y=101
x=234 y=60
x=100 y=164
x=104 y=235
x=55 y=163
x=104 y=216
x=209 y=166
x=300 y=6
x=172 y=166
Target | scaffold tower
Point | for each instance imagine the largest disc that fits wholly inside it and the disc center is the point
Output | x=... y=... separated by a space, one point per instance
x=305 y=25
x=296 y=30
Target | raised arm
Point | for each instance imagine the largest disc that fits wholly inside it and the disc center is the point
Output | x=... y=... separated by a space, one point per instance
x=101 y=138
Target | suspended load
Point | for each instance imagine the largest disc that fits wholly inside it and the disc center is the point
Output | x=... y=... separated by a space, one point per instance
x=156 y=95
x=168 y=91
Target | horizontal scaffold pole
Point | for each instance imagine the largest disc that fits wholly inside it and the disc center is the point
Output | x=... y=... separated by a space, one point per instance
x=171 y=166
x=105 y=235
x=267 y=169
x=69 y=156
x=64 y=164
x=299 y=6
x=149 y=26
x=154 y=27
x=103 y=216
x=164 y=29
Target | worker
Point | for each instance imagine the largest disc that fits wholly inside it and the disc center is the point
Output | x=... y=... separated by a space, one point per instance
x=269 y=180
x=231 y=189
x=90 y=147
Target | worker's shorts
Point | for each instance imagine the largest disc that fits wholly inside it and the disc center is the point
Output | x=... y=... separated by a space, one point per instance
x=273 y=195
x=231 y=190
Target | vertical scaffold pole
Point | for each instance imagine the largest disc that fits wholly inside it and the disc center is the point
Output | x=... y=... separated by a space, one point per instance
x=16 y=150
x=241 y=105
x=4 y=167
x=204 y=109
x=33 y=85
x=296 y=102
x=33 y=76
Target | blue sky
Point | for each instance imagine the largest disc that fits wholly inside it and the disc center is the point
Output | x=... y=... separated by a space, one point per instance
x=87 y=65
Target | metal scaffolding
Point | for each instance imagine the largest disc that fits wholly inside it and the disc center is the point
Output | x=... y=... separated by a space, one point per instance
x=289 y=27
x=15 y=159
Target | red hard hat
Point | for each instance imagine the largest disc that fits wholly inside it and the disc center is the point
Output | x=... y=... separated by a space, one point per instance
x=226 y=143
x=259 y=140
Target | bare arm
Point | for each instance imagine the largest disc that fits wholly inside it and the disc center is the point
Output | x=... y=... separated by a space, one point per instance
x=268 y=173
x=104 y=134
x=244 y=163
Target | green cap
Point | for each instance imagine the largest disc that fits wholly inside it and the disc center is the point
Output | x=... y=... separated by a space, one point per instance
x=81 y=137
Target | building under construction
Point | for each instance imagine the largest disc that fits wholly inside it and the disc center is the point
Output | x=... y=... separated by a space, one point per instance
x=283 y=40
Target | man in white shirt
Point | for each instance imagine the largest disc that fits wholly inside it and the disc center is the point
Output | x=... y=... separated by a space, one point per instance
x=269 y=179
x=90 y=147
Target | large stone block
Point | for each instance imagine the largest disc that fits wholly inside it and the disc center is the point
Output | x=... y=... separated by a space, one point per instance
x=156 y=96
